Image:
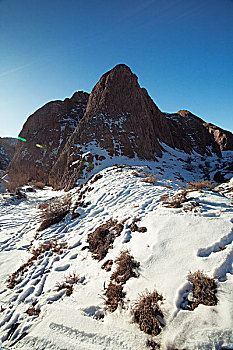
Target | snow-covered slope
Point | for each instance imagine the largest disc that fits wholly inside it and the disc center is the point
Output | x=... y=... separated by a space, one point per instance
x=177 y=241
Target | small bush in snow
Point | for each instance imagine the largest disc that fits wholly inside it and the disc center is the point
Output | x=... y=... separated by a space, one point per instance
x=175 y=201
x=37 y=184
x=126 y=268
x=54 y=212
x=147 y=312
x=68 y=284
x=103 y=237
x=114 y=296
x=199 y=185
x=134 y=227
x=150 y=178
x=204 y=290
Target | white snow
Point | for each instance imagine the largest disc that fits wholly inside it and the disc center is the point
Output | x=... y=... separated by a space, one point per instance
x=176 y=242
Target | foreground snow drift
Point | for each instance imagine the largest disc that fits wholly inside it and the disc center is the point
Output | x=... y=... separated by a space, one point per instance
x=176 y=242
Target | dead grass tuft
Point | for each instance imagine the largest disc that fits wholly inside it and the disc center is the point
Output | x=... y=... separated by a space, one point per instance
x=134 y=227
x=31 y=311
x=199 y=185
x=68 y=284
x=107 y=265
x=102 y=239
x=126 y=268
x=150 y=178
x=54 y=212
x=204 y=290
x=147 y=313
x=175 y=201
x=37 y=184
x=150 y=343
x=114 y=296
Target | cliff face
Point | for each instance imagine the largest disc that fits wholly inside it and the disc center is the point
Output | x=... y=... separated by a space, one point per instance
x=190 y=134
x=46 y=132
x=123 y=120
x=223 y=138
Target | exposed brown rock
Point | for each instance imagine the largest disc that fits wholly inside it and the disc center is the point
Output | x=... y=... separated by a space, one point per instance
x=50 y=127
x=223 y=138
x=120 y=118
x=189 y=134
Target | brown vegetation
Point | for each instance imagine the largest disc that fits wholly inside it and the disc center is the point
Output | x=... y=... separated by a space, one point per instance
x=175 y=201
x=54 y=212
x=204 y=290
x=134 y=227
x=37 y=184
x=126 y=268
x=103 y=237
x=115 y=296
x=150 y=178
x=147 y=313
x=107 y=265
x=31 y=311
x=68 y=284
x=199 y=185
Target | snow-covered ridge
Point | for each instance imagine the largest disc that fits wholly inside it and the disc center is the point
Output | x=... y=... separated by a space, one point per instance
x=176 y=242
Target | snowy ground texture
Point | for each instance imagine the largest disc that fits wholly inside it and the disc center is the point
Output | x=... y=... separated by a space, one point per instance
x=176 y=242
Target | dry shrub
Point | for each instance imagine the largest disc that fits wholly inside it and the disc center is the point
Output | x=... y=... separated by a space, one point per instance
x=114 y=296
x=107 y=265
x=150 y=343
x=126 y=268
x=147 y=313
x=31 y=311
x=190 y=206
x=103 y=238
x=150 y=178
x=54 y=212
x=175 y=201
x=16 y=277
x=37 y=184
x=68 y=284
x=199 y=185
x=135 y=173
x=204 y=290
x=134 y=227
x=96 y=178
x=43 y=205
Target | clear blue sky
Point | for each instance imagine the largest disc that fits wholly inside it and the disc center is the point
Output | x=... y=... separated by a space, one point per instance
x=181 y=50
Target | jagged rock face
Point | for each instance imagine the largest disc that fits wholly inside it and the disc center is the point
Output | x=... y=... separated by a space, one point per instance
x=190 y=134
x=123 y=120
x=120 y=118
x=223 y=138
x=7 y=150
x=46 y=132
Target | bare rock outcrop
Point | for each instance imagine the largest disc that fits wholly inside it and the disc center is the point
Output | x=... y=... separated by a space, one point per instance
x=223 y=138
x=190 y=134
x=122 y=120
x=46 y=133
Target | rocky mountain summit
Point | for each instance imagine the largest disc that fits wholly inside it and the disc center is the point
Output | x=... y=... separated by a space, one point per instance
x=46 y=132
x=119 y=121
x=123 y=120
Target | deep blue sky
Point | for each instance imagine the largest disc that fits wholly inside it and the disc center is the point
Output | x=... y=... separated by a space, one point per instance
x=181 y=50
